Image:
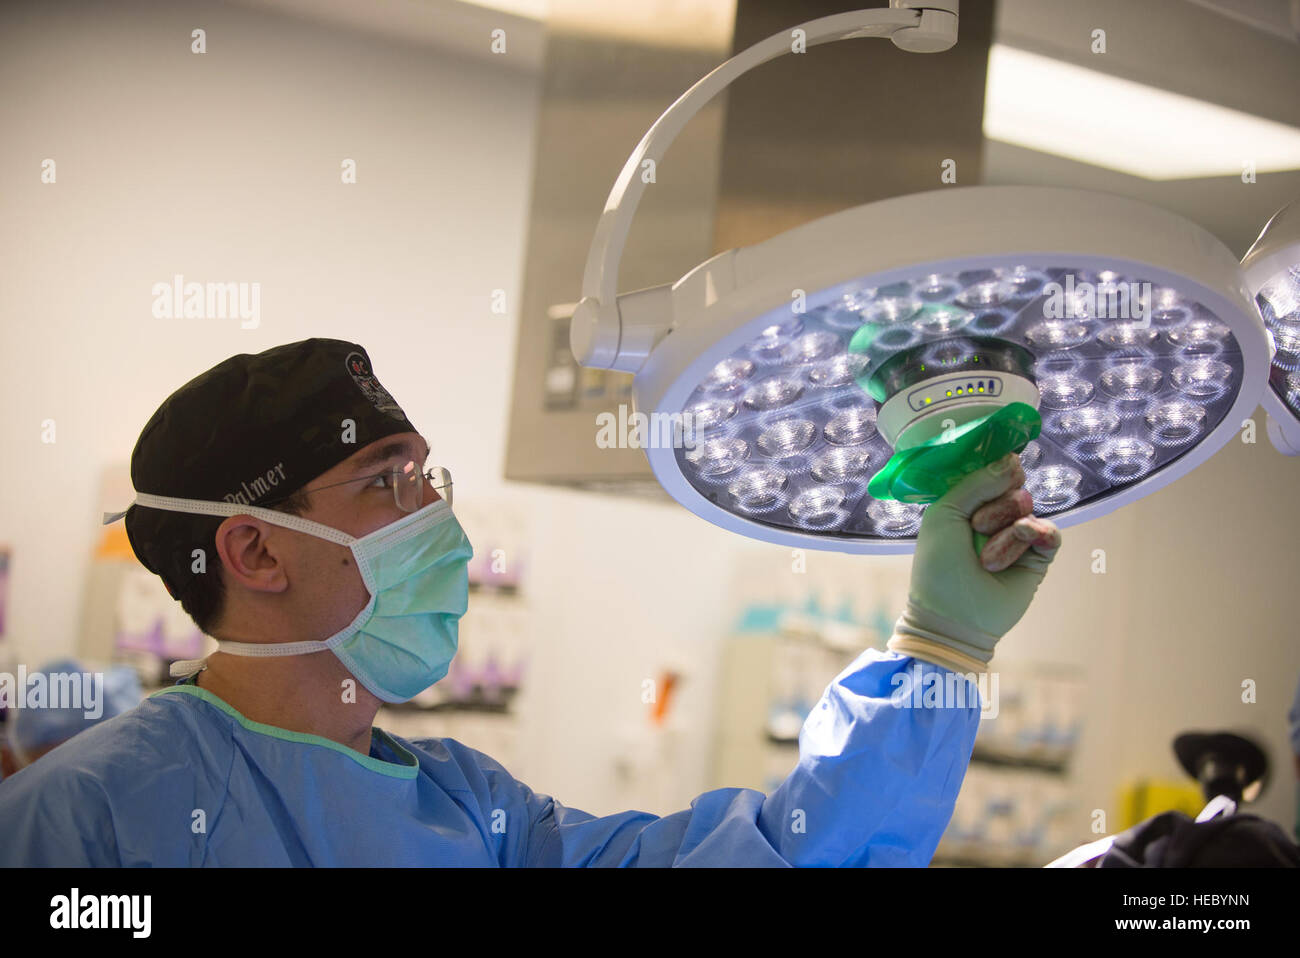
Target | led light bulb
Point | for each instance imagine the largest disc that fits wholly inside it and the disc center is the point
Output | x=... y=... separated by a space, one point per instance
x=847 y=462
x=717 y=457
x=1057 y=334
x=1065 y=391
x=812 y=348
x=892 y=518
x=839 y=371
x=774 y=338
x=1131 y=381
x=1128 y=334
x=786 y=437
x=1086 y=425
x=1202 y=378
x=774 y=392
x=1127 y=458
x=1174 y=422
x=1054 y=487
x=729 y=375
x=818 y=507
x=937 y=288
x=892 y=309
x=759 y=489
x=851 y=426
x=711 y=413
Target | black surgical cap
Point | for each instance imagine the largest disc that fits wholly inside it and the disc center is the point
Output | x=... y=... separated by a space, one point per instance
x=252 y=430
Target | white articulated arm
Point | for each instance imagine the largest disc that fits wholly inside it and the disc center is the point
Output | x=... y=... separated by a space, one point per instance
x=600 y=335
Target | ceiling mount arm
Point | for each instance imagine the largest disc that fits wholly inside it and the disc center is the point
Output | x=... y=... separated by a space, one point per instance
x=595 y=333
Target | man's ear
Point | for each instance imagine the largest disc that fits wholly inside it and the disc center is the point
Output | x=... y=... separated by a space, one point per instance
x=250 y=554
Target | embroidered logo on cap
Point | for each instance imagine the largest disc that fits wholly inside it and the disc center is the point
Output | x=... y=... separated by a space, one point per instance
x=370 y=387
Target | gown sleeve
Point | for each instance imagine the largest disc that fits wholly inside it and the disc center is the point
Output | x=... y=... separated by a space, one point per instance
x=875 y=784
x=53 y=816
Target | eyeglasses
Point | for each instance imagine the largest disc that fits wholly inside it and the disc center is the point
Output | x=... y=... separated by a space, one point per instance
x=407 y=483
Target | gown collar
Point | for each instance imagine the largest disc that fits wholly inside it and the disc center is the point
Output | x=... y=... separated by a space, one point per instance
x=408 y=765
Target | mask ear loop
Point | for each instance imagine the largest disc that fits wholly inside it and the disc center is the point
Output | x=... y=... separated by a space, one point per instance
x=187 y=667
x=203 y=507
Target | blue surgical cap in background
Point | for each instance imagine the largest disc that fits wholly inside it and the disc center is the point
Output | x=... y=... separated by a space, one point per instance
x=39 y=728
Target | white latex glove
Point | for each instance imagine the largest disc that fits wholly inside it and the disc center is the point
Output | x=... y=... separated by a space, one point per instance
x=962 y=601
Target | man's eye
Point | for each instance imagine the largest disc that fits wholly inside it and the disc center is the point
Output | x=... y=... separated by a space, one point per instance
x=382 y=481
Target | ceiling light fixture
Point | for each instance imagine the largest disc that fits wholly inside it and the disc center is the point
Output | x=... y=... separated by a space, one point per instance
x=1054 y=107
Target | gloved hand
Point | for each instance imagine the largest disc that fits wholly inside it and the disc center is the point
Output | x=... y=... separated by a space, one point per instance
x=962 y=601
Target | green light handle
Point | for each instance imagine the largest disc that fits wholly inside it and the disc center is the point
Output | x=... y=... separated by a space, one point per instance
x=926 y=472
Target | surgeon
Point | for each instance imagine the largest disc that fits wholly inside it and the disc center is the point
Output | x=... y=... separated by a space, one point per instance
x=30 y=733
x=286 y=500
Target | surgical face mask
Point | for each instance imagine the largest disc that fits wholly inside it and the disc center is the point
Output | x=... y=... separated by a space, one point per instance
x=416 y=571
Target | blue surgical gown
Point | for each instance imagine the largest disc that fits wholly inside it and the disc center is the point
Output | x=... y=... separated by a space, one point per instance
x=184 y=780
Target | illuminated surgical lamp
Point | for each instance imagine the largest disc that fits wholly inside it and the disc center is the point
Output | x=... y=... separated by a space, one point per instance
x=1272 y=270
x=839 y=376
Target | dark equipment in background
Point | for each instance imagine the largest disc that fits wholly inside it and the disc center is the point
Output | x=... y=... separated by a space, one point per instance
x=1231 y=770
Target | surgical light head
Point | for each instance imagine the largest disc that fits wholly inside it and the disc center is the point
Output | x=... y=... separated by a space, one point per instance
x=839 y=376
x=1272 y=270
